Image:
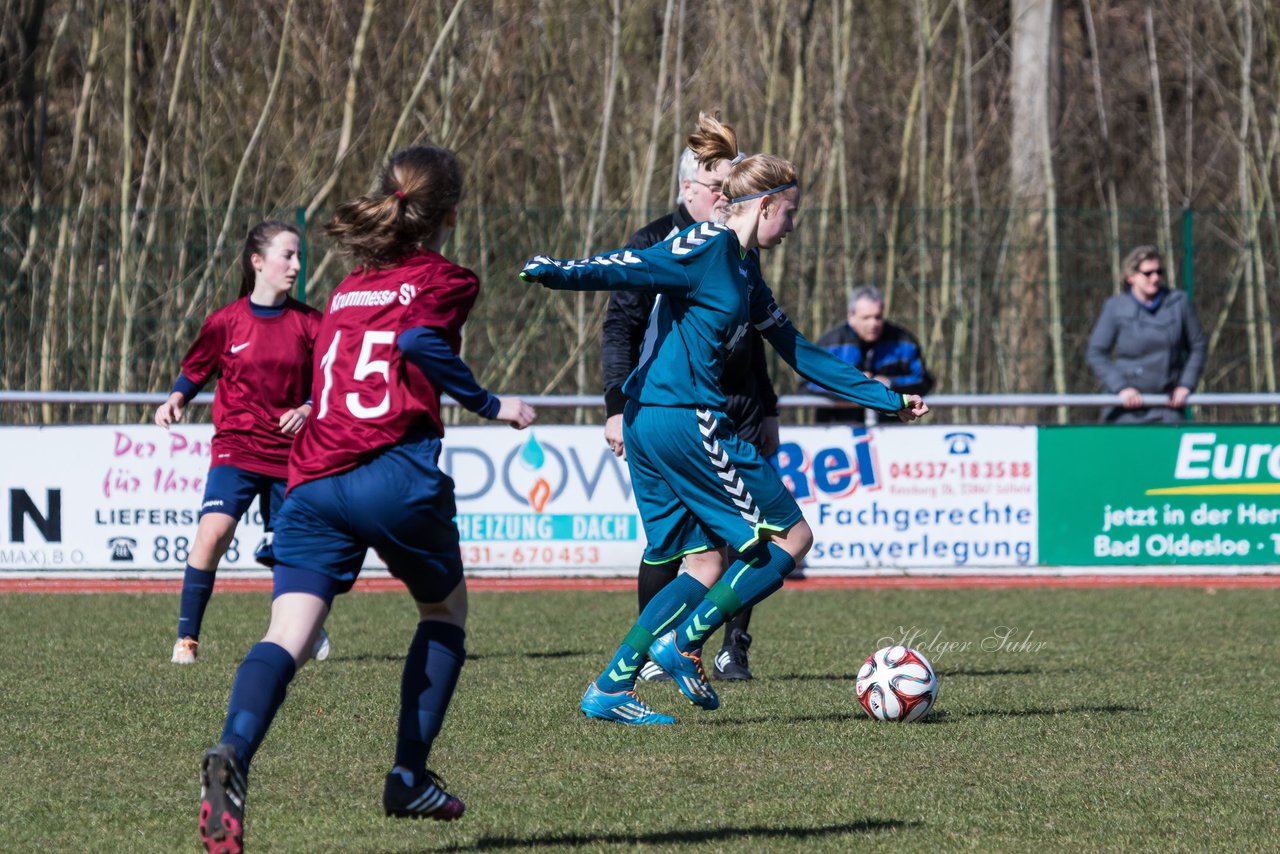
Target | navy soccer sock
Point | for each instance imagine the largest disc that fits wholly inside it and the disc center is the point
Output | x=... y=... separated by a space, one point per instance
x=256 y=696
x=669 y=605
x=750 y=580
x=431 y=670
x=197 y=587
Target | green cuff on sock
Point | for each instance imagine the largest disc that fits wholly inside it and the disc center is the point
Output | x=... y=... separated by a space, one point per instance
x=639 y=639
x=725 y=598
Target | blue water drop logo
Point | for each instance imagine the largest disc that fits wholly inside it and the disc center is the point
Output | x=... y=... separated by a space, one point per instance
x=532 y=456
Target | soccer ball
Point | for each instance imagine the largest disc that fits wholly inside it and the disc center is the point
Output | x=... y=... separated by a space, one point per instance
x=896 y=684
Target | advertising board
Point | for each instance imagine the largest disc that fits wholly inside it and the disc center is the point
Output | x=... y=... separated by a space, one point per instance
x=1194 y=494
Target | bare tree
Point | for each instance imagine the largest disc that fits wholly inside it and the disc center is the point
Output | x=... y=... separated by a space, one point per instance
x=935 y=156
x=1024 y=307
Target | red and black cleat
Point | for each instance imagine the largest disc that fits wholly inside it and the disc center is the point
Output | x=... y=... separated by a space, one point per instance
x=223 y=786
x=428 y=799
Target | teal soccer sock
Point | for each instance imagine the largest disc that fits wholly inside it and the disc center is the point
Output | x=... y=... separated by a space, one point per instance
x=748 y=581
x=669 y=605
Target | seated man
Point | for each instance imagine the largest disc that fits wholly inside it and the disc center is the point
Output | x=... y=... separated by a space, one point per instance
x=881 y=350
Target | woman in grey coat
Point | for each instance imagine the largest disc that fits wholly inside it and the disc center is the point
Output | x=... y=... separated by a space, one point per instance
x=1147 y=345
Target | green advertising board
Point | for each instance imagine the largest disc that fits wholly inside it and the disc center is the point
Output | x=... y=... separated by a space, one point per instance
x=1193 y=494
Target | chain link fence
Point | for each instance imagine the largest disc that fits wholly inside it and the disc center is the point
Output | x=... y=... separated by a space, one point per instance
x=85 y=309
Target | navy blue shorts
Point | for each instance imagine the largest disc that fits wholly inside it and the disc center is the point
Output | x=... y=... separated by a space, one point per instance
x=231 y=490
x=399 y=504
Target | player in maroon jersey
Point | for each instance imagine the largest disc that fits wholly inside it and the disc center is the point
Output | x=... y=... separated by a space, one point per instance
x=364 y=474
x=259 y=347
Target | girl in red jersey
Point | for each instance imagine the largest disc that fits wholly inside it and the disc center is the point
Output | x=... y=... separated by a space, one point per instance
x=260 y=348
x=364 y=474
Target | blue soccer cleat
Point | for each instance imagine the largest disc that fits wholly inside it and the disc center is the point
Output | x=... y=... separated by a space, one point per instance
x=624 y=707
x=686 y=669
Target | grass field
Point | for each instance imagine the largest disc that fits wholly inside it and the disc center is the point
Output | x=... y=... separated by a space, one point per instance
x=1134 y=719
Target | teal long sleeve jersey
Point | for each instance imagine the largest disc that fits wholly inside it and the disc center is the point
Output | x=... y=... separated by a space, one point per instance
x=708 y=291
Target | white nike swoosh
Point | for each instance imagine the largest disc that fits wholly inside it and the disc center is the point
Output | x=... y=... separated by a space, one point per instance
x=236 y=348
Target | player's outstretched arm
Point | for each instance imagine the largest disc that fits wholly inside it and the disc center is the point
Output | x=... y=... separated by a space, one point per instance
x=826 y=369
x=817 y=365
x=621 y=270
x=515 y=412
x=425 y=349
x=663 y=267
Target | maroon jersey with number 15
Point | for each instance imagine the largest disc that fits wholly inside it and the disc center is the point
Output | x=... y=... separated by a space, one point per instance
x=263 y=365
x=365 y=396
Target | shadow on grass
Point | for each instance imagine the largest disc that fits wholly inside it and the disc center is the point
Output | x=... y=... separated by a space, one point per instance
x=471 y=657
x=935 y=716
x=550 y=653
x=830 y=717
x=718 y=836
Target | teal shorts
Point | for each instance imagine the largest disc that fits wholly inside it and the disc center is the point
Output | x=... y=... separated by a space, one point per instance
x=697 y=485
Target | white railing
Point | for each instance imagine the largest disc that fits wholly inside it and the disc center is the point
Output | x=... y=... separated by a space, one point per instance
x=790 y=401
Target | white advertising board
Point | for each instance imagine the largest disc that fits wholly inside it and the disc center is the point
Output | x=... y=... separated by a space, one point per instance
x=118 y=498
x=912 y=496
x=126 y=498
x=546 y=500
x=550 y=500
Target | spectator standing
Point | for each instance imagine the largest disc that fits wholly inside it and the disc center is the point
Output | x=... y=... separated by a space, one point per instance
x=1147 y=345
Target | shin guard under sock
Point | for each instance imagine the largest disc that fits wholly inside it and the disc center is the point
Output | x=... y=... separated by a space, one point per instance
x=256 y=696
x=664 y=610
x=750 y=580
x=431 y=669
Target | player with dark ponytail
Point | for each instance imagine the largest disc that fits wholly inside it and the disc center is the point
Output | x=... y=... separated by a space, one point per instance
x=259 y=347
x=365 y=475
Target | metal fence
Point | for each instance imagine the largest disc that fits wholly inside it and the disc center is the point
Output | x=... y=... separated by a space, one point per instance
x=86 y=308
x=90 y=407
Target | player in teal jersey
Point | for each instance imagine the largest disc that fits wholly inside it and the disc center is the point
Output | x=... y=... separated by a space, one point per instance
x=698 y=486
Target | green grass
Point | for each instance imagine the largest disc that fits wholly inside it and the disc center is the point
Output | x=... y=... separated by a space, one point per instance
x=1148 y=720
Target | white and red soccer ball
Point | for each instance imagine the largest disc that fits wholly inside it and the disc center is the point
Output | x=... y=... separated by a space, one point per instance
x=896 y=684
